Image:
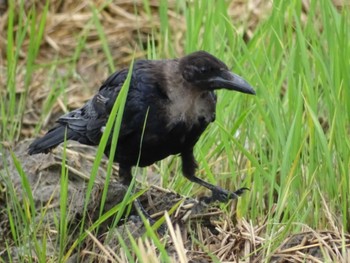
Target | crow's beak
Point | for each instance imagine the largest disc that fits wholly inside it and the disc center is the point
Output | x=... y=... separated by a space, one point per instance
x=231 y=81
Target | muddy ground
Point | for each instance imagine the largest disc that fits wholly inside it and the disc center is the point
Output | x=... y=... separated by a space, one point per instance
x=43 y=172
x=220 y=235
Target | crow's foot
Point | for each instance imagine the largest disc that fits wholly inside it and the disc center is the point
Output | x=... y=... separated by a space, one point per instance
x=223 y=196
x=161 y=229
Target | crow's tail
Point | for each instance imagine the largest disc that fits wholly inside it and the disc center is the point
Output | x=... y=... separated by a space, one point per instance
x=51 y=139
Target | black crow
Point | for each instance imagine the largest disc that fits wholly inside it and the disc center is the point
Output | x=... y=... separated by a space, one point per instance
x=169 y=105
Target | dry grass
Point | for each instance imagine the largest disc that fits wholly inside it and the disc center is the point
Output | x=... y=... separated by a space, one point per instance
x=196 y=231
x=68 y=21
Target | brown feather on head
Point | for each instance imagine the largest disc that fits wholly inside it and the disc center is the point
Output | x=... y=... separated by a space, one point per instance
x=200 y=65
x=207 y=72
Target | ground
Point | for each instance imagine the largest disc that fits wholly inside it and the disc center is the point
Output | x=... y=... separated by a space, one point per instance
x=219 y=233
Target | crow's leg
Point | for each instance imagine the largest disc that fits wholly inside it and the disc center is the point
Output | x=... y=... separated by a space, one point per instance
x=189 y=166
x=126 y=176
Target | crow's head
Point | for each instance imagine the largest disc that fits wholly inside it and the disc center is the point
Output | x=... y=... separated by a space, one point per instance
x=205 y=71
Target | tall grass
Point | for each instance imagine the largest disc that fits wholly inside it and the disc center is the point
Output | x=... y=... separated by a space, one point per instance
x=31 y=28
x=289 y=144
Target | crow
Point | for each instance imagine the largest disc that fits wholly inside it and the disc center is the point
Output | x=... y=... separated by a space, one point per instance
x=168 y=106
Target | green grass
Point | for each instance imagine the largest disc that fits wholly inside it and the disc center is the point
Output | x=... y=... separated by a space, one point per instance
x=272 y=143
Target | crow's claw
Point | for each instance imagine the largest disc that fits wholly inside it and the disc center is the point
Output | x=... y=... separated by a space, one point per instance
x=162 y=229
x=223 y=196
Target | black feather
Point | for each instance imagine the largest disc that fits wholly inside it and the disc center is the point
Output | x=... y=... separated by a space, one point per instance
x=53 y=138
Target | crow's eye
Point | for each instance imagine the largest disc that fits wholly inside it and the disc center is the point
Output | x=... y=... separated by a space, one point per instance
x=205 y=70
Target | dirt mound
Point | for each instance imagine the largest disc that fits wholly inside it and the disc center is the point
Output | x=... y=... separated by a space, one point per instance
x=201 y=231
x=42 y=184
